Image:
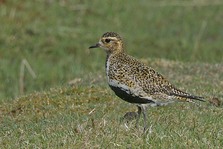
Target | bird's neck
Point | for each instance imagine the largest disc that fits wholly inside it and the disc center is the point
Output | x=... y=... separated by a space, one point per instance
x=107 y=65
x=113 y=57
x=107 y=62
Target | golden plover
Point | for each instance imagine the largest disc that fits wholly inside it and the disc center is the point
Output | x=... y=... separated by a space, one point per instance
x=135 y=82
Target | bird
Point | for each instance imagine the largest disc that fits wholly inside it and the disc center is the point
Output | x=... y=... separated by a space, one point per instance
x=135 y=82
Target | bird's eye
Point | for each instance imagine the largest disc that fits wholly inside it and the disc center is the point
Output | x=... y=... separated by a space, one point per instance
x=107 y=40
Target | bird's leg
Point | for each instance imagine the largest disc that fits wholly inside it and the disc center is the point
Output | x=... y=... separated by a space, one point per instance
x=145 y=118
x=138 y=116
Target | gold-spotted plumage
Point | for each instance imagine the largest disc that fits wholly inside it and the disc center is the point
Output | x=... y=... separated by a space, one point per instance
x=133 y=81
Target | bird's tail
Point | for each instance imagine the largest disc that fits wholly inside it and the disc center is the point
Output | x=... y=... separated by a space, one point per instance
x=179 y=93
x=189 y=96
x=213 y=101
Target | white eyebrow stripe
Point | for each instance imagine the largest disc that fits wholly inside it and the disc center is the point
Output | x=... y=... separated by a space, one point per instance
x=112 y=38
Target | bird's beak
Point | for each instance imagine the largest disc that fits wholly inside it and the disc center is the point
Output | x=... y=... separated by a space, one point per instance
x=95 y=46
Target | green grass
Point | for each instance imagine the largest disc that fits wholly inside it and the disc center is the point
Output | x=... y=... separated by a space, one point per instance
x=88 y=116
x=180 y=39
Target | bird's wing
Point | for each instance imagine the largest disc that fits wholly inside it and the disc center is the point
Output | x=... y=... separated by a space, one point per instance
x=159 y=85
x=153 y=83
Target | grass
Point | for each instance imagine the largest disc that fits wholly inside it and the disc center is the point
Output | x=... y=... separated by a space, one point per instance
x=179 y=39
x=89 y=116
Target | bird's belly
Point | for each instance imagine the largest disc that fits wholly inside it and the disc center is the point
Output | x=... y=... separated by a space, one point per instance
x=127 y=96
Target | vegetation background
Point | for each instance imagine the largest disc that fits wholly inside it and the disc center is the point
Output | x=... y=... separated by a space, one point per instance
x=53 y=91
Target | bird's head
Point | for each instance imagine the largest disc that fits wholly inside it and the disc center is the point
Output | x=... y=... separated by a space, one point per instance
x=111 y=42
